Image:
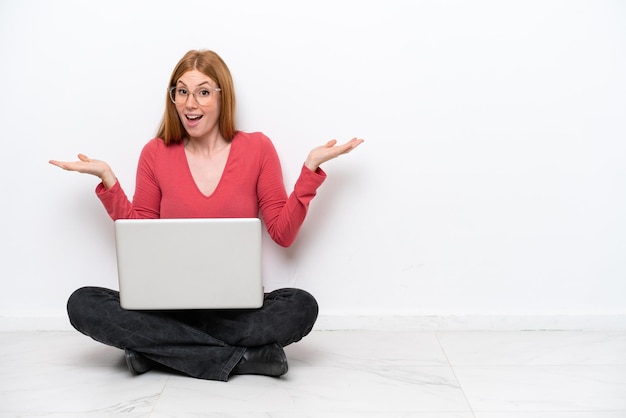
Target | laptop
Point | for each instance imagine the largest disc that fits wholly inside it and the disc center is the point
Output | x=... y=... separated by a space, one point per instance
x=189 y=263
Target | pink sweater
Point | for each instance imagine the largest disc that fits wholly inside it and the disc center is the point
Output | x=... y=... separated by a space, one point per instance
x=252 y=182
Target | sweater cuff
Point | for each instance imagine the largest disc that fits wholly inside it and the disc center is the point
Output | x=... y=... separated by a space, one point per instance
x=317 y=176
x=101 y=190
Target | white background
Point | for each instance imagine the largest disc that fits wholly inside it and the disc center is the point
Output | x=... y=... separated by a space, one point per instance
x=492 y=180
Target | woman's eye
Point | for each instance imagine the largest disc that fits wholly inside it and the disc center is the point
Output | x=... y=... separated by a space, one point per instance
x=182 y=92
x=204 y=93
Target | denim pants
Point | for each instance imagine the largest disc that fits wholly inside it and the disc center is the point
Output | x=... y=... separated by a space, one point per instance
x=206 y=344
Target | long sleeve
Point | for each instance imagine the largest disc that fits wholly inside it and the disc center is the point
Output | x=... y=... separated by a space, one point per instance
x=146 y=202
x=284 y=217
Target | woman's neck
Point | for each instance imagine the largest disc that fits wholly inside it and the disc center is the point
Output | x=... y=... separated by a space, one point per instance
x=206 y=146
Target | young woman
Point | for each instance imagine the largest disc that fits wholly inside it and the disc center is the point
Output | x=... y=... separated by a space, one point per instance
x=201 y=166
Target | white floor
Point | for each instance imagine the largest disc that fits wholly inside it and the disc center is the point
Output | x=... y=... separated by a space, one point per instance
x=333 y=374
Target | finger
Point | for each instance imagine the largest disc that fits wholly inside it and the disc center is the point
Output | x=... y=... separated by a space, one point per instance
x=352 y=144
x=60 y=164
x=83 y=158
x=355 y=142
x=331 y=143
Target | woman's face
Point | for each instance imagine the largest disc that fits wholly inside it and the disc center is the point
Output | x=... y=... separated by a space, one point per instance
x=198 y=104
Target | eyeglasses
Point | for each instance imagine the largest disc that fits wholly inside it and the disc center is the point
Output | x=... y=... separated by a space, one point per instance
x=179 y=95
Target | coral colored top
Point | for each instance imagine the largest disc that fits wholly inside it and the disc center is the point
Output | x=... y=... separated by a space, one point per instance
x=252 y=183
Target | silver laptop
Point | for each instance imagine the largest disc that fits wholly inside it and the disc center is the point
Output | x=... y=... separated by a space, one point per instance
x=189 y=263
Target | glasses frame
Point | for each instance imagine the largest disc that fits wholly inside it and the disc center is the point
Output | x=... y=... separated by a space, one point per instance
x=172 y=92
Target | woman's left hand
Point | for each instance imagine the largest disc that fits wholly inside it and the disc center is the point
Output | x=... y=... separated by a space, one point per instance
x=328 y=151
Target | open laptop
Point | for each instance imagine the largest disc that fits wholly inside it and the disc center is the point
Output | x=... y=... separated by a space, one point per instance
x=189 y=263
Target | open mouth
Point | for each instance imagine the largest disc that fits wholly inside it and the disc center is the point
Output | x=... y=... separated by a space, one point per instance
x=193 y=117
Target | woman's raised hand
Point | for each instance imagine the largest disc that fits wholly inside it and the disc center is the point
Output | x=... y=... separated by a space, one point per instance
x=88 y=166
x=328 y=151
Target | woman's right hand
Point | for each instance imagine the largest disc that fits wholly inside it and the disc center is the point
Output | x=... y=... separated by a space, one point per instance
x=88 y=166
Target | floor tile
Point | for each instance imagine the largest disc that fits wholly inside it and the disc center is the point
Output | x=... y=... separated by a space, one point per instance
x=55 y=348
x=351 y=414
x=535 y=348
x=321 y=390
x=544 y=388
x=553 y=414
x=66 y=373
x=363 y=348
x=365 y=374
x=78 y=390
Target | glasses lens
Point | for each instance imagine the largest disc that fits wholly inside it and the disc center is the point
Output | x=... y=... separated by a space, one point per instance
x=173 y=94
x=203 y=96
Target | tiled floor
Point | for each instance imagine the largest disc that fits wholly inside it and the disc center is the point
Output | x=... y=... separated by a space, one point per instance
x=334 y=374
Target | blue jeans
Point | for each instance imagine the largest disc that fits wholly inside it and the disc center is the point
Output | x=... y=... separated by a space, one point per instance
x=206 y=344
